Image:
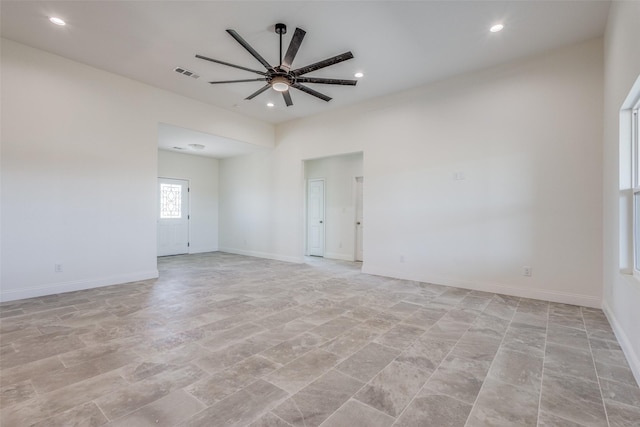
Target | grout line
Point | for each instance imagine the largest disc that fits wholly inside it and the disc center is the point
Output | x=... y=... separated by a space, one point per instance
x=439 y=364
x=360 y=402
x=277 y=416
x=365 y=384
x=484 y=381
x=101 y=411
x=595 y=368
x=378 y=373
x=304 y=422
x=544 y=359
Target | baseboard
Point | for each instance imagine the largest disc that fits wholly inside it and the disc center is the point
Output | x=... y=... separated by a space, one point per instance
x=59 y=288
x=541 y=294
x=202 y=249
x=632 y=358
x=337 y=255
x=267 y=255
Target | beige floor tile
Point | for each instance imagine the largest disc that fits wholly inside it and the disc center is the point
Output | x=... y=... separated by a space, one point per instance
x=223 y=339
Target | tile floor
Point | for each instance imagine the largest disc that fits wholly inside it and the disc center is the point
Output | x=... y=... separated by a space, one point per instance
x=227 y=340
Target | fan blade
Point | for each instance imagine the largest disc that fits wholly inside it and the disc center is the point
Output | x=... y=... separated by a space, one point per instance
x=326 y=81
x=259 y=91
x=287 y=98
x=251 y=50
x=311 y=92
x=318 y=65
x=296 y=41
x=230 y=65
x=238 y=81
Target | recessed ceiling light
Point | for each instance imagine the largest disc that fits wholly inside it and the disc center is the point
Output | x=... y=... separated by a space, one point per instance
x=57 y=21
x=358 y=75
x=270 y=104
x=496 y=28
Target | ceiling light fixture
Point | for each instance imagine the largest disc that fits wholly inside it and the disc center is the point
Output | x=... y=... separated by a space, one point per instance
x=358 y=75
x=284 y=76
x=280 y=83
x=496 y=28
x=196 y=146
x=270 y=104
x=57 y=21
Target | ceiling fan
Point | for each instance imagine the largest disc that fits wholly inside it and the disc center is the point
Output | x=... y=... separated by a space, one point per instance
x=281 y=78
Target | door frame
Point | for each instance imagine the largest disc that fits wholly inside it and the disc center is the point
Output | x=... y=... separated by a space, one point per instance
x=306 y=212
x=355 y=217
x=188 y=181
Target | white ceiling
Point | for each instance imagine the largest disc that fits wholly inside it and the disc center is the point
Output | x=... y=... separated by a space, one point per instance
x=397 y=44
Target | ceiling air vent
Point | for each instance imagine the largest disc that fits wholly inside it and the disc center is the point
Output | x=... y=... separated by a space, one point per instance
x=186 y=72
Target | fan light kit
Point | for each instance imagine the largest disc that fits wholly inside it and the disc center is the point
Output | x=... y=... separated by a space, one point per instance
x=57 y=21
x=280 y=83
x=282 y=77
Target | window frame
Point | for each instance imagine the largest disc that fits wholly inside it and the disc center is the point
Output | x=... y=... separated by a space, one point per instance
x=635 y=186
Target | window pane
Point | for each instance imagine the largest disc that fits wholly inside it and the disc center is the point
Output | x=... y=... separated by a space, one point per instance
x=170 y=201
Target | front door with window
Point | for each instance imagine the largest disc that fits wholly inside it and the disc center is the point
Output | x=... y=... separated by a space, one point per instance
x=173 y=216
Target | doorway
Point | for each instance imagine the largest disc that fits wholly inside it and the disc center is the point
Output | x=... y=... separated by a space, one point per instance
x=315 y=217
x=336 y=236
x=173 y=216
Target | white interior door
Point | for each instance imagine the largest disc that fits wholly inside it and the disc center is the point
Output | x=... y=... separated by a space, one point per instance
x=315 y=217
x=173 y=216
x=359 y=224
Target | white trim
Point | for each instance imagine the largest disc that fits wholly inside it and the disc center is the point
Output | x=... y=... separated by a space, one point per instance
x=354 y=190
x=267 y=255
x=59 y=288
x=632 y=358
x=337 y=255
x=540 y=294
x=202 y=249
x=304 y=208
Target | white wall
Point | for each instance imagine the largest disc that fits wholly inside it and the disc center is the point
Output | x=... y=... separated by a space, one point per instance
x=79 y=170
x=527 y=137
x=622 y=68
x=252 y=216
x=202 y=174
x=339 y=173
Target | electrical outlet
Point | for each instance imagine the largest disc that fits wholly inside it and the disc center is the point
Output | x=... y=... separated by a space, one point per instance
x=58 y=268
x=527 y=271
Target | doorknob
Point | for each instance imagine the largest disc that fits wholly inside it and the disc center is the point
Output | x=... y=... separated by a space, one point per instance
x=320 y=222
x=358 y=223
